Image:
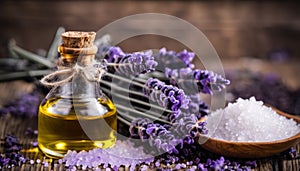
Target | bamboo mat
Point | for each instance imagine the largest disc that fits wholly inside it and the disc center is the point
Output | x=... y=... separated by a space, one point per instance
x=18 y=125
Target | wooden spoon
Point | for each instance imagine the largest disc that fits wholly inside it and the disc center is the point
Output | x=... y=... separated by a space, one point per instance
x=250 y=149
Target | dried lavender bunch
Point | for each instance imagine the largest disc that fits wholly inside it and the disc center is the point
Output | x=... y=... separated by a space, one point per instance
x=188 y=79
x=187 y=110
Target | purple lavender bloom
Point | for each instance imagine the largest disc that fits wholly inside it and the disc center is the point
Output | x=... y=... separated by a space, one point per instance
x=197 y=106
x=167 y=96
x=216 y=164
x=130 y=64
x=293 y=153
x=137 y=63
x=279 y=55
x=172 y=59
x=198 y=128
x=114 y=54
x=156 y=135
x=34 y=143
x=205 y=81
x=171 y=139
x=31 y=133
x=185 y=148
x=12 y=155
x=26 y=105
x=164 y=52
x=138 y=128
x=11 y=144
x=186 y=57
x=201 y=167
x=252 y=164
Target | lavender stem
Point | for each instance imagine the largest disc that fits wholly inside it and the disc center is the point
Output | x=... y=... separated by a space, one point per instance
x=138 y=101
x=141 y=113
x=125 y=80
x=124 y=120
x=29 y=55
x=52 y=52
x=115 y=86
x=23 y=74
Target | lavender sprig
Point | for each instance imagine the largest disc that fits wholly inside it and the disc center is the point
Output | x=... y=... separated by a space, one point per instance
x=205 y=81
x=168 y=138
x=167 y=96
x=155 y=134
x=130 y=64
x=30 y=56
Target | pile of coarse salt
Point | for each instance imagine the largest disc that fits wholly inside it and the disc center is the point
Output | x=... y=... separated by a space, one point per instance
x=123 y=153
x=250 y=121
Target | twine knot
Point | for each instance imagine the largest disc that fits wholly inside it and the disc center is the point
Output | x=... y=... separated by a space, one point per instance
x=92 y=72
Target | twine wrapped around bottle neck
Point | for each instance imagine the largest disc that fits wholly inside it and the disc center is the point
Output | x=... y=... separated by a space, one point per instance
x=90 y=72
x=77 y=55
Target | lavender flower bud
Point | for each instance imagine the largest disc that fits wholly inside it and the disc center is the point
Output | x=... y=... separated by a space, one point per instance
x=186 y=57
x=114 y=54
x=12 y=155
x=197 y=106
x=137 y=63
x=130 y=64
x=205 y=81
x=168 y=96
x=293 y=153
x=172 y=59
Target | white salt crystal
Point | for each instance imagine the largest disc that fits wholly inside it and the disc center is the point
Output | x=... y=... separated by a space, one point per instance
x=248 y=120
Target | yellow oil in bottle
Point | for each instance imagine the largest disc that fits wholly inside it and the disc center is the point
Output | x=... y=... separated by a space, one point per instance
x=76 y=124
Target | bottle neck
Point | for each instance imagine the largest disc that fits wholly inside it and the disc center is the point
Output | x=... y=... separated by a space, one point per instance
x=81 y=56
x=79 y=87
x=70 y=60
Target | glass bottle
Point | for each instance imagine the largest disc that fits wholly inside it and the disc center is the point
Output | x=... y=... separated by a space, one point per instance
x=76 y=115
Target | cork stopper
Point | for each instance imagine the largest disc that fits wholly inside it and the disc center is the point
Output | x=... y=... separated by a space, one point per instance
x=78 y=47
x=78 y=39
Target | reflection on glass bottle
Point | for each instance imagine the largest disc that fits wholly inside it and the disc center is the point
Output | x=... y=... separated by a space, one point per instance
x=76 y=115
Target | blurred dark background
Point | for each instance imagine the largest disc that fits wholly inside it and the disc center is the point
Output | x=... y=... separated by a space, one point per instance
x=260 y=36
x=235 y=28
